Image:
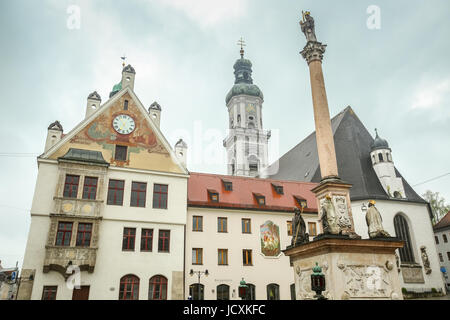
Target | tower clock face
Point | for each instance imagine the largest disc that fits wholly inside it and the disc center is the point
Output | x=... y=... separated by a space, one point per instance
x=123 y=124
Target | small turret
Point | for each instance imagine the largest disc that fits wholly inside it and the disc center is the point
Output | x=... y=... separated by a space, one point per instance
x=93 y=103
x=381 y=157
x=54 y=134
x=128 y=75
x=181 y=151
x=155 y=113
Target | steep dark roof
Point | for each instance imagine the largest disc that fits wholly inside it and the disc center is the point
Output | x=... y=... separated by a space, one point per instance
x=82 y=155
x=353 y=146
x=443 y=223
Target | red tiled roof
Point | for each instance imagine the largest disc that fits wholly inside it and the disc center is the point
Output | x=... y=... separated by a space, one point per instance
x=245 y=188
x=444 y=222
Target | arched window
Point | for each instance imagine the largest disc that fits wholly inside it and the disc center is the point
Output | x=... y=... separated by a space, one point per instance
x=273 y=291
x=293 y=291
x=387 y=156
x=251 y=292
x=223 y=292
x=157 y=289
x=402 y=232
x=373 y=158
x=197 y=291
x=380 y=157
x=129 y=287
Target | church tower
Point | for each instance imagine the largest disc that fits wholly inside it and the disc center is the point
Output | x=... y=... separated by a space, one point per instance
x=247 y=142
x=381 y=156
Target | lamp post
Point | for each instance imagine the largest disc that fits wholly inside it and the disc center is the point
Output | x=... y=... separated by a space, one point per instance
x=243 y=287
x=318 y=282
x=199 y=274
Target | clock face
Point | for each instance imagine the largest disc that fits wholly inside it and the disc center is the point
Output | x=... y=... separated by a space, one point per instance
x=123 y=124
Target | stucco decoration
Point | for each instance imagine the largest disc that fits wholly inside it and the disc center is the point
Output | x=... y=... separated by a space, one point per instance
x=270 y=239
x=303 y=286
x=366 y=281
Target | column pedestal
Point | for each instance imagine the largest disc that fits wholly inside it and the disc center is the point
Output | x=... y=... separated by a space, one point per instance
x=354 y=269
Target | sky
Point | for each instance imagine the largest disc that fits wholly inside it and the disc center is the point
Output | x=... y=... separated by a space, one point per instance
x=388 y=60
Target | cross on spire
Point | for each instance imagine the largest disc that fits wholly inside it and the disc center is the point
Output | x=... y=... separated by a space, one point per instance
x=123 y=59
x=241 y=43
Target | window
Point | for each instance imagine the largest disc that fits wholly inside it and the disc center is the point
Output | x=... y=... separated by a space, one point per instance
x=129 y=288
x=312 y=228
x=246 y=226
x=90 y=188
x=164 y=241
x=138 y=191
x=213 y=195
x=129 y=235
x=157 y=289
x=196 y=291
x=273 y=291
x=228 y=185
x=289 y=228
x=253 y=167
x=448 y=256
x=223 y=256
x=125 y=105
x=160 y=196
x=64 y=234
x=441 y=258
x=49 y=293
x=71 y=186
x=121 y=153
x=84 y=235
x=221 y=224
x=247 y=257
x=197 y=256
x=301 y=202
x=197 y=223
x=278 y=188
x=380 y=157
x=260 y=199
x=436 y=239
x=293 y=291
x=223 y=292
x=146 y=239
x=402 y=232
x=115 y=192
x=444 y=236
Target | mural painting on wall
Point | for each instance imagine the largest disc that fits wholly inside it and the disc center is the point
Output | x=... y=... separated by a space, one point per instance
x=270 y=239
x=102 y=132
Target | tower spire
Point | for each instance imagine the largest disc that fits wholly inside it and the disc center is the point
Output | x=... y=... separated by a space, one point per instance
x=241 y=43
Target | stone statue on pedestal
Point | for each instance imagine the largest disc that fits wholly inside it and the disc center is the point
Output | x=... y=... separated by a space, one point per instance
x=307 y=25
x=299 y=235
x=328 y=217
x=425 y=260
x=374 y=222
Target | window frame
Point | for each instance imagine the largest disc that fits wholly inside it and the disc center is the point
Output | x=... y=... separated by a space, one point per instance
x=84 y=233
x=147 y=240
x=137 y=192
x=160 y=193
x=246 y=222
x=89 y=189
x=311 y=234
x=128 y=236
x=64 y=232
x=161 y=283
x=49 y=292
x=196 y=226
x=222 y=255
x=119 y=151
x=115 y=189
x=247 y=257
x=71 y=185
x=219 y=225
x=198 y=256
x=159 y=241
x=289 y=228
x=123 y=290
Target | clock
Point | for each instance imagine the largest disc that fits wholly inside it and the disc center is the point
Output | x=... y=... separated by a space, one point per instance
x=123 y=124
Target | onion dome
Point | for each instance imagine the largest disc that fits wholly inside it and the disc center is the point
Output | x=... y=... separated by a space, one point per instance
x=55 y=126
x=243 y=83
x=379 y=143
x=116 y=89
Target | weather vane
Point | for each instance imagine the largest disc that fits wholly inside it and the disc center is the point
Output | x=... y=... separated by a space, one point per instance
x=123 y=58
x=241 y=43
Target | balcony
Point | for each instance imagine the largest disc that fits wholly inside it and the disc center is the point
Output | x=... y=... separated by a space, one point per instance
x=77 y=207
x=57 y=258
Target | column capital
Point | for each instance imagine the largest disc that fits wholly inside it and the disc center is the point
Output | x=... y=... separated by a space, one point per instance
x=313 y=50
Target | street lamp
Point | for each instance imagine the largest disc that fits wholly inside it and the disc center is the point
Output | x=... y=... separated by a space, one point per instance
x=318 y=282
x=199 y=274
x=243 y=287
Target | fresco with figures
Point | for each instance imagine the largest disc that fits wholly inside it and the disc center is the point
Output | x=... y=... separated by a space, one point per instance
x=270 y=239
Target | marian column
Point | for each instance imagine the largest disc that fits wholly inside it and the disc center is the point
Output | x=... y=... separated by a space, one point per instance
x=332 y=193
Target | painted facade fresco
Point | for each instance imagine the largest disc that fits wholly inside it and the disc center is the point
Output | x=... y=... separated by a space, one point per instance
x=270 y=239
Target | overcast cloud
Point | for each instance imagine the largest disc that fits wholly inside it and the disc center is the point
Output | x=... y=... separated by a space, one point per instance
x=396 y=78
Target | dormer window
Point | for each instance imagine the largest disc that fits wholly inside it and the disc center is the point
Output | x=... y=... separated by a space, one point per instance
x=261 y=199
x=301 y=202
x=213 y=195
x=228 y=185
x=278 y=188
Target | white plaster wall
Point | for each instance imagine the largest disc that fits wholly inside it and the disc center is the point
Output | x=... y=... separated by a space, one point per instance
x=421 y=233
x=264 y=270
x=443 y=248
